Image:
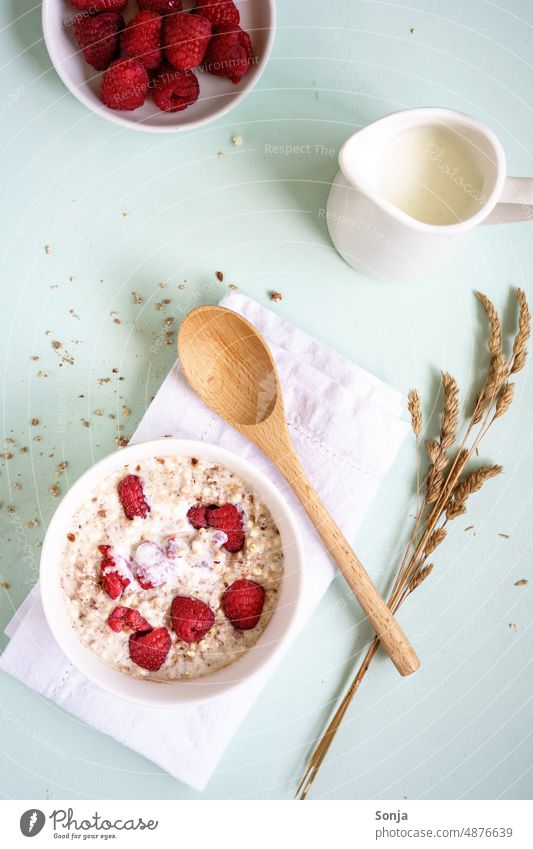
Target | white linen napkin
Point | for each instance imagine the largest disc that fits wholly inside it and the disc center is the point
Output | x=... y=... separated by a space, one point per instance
x=347 y=429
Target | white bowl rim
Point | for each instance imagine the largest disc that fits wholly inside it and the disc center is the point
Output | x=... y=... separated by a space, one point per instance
x=145 y=692
x=117 y=118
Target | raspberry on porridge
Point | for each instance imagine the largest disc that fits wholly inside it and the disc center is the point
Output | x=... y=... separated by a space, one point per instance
x=171 y=568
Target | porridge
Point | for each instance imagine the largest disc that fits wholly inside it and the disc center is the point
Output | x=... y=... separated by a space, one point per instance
x=171 y=568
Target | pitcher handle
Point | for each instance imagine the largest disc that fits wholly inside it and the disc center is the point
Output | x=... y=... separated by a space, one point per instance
x=515 y=204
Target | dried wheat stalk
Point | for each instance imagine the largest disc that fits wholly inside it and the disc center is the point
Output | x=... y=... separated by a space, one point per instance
x=448 y=483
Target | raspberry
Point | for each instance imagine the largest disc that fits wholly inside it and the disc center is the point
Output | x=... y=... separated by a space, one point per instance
x=197 y=516
x=115 y=574
x=163 y=7
x=112 y=585
x=125 y=87
x=153 y=568
x=230 y=52
x=127 y=617
x=219 y=11
x=243 y=603
x=174 y=90
x=99 y=5
x=186 y=38
x=142 y=39
x=191 y=618
x=145 y=584
x=130 y=488
x=150 y=649
x=98 y=37
x=228 y=519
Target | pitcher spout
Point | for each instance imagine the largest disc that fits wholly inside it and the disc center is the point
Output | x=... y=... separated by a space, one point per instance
x=361 y=157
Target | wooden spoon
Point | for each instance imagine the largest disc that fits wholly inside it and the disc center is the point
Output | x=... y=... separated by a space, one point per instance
x=229 y=365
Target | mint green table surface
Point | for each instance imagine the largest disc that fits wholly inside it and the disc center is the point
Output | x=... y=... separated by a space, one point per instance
x=130 y=212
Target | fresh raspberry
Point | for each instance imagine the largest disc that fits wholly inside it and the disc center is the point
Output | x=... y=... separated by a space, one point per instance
x=113 y=585
x=243 y=603
x=142 y=39
x=153 y=568
x=127 y=617
x=150 y=649
x=197 y=516
x=219 y=11
x=228 y=519
x=130 y=488
x=163 y=7
x=191 y=618
x=125 y=87
x=99 y=5
x=230 y=53
x=115 y=574
x=174 y=90
x=98 y=37
x=145 y=584
x=186 y=38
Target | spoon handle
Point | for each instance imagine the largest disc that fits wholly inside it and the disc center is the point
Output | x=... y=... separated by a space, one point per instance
x=385 y=625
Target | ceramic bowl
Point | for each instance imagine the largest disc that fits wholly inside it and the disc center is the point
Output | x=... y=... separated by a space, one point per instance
x=151 y=693
x=218 y=95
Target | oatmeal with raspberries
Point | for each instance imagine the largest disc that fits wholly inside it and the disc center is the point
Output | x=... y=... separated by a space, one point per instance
x=171 y=568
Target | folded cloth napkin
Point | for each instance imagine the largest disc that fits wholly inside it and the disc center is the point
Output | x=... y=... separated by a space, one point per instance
x=347 y=429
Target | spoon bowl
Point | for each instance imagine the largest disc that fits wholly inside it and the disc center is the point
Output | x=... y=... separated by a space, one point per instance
x=229 y=366
x=233 y=368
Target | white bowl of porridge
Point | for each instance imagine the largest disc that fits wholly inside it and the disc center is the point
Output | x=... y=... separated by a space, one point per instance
x=171 y=572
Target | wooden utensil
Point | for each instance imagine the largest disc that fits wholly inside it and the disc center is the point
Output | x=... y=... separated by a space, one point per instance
x=229 y=365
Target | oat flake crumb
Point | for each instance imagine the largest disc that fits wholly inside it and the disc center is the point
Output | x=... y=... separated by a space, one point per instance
x=54 y=490
x=48 y=249
x=521 y=583
x=513 y=626
x=276 y=296
x=237 y=140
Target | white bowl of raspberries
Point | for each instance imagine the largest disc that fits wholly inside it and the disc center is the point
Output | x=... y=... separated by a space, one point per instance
x=159 y=65
x=107 y=673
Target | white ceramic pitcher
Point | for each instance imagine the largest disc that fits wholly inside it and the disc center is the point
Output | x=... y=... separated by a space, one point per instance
x=412 y=183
